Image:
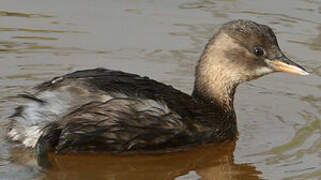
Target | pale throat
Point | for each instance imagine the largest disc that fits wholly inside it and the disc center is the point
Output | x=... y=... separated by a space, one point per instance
x=218 y=89
x=217 y=78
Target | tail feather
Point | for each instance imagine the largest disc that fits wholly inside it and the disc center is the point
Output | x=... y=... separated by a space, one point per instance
x=46 y=143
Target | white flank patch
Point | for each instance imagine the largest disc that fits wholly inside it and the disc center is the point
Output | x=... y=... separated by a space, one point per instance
x=36 y=115
x=14 y=135
x=32 y=135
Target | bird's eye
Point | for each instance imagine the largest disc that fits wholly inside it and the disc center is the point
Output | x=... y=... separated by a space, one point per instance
x=258 y=51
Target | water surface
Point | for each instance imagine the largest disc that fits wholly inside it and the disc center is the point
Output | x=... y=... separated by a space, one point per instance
x=278 y=115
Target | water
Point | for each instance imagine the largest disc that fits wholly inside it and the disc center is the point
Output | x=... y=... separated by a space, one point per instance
x=278 y=115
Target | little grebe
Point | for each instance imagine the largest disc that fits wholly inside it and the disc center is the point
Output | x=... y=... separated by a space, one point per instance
x=107 y=110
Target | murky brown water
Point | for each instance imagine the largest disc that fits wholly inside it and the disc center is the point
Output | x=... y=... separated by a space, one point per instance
x=278 y=115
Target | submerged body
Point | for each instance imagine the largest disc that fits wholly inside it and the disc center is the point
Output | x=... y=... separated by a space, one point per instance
x=106 y=110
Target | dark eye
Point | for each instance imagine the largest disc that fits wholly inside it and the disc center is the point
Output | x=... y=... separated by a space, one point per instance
x=258 y=51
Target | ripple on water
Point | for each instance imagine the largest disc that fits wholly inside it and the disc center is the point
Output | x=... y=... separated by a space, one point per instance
x=35 y=47
x=24 y=15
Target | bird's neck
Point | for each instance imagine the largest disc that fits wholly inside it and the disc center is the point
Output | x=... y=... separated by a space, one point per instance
x=218 y=93
x=216 y=78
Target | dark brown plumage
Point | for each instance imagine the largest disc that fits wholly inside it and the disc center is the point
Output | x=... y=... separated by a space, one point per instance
x=122 y=124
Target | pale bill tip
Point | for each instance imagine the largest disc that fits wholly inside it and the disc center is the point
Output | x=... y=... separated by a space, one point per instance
x=304 y=73
x=301 y=71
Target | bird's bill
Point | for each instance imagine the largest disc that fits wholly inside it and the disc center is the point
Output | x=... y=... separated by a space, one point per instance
x=284 y=64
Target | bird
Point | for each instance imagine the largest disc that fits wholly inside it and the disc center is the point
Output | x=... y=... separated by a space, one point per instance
x=103 y=110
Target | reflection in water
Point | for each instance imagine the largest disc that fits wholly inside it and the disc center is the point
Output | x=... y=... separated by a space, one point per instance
x=200 y=4
x=36 y=30
x=211 y=162
x=36 y=48
x=313 y=46
x=35 y=37
x=296 y=153
x=317 y=40
x=219 y=9
x=33 y=76
x=47 y=67
x=18 y=14
x=281 y=17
